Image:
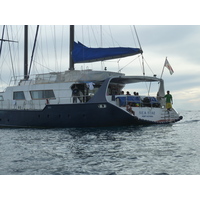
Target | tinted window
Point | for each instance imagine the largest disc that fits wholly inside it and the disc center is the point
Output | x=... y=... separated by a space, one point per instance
x=42 y=94
x=18 y=95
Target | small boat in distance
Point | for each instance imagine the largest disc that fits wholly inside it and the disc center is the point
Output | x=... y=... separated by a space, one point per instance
x=82 y=98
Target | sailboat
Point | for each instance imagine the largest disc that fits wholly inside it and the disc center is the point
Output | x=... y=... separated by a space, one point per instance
x=83 y=98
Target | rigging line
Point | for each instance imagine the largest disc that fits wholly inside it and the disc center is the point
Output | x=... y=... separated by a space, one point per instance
x=83 y=41
x=133 y=35
x=101 y=35
x=1 y=45
x=149 y=88
x=61 y=47
x=149 y=66
x=13 y=55
x=101 y=38
x=10 y=54
x=45 y=46
x=109 y=40
x=111 y=36
x=140 y=48
x=34 y=45
x=18 y=53
x=137 y=37
x=88 y=30
x=44 y=66
x=55 y=47
x=129 y=63
x=16 y=34
x=94 y=35
x=2 y=39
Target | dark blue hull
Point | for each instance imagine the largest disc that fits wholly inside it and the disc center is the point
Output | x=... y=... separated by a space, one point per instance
x=69 y=115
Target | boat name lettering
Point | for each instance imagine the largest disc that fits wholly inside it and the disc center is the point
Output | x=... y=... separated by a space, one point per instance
x=147 y=112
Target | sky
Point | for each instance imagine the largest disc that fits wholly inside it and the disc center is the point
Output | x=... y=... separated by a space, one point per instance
x=165 y=30
x=179 y=43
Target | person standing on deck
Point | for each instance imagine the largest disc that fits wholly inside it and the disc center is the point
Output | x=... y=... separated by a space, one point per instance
x=169 y=100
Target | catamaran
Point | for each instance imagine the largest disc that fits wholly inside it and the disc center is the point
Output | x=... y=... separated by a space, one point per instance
x=82 y=98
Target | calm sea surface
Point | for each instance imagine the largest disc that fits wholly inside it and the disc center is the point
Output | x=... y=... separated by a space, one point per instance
x=144 y=150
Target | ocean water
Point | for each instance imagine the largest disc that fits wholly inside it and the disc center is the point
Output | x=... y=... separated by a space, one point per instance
x=144 y=150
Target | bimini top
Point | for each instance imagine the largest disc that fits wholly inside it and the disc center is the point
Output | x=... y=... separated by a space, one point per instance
x=134 y=79
x=83 y=54
x=138 y=79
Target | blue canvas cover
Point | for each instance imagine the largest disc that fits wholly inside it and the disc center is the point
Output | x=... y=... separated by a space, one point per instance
x=152 y=101
x=83 y=54
x=124 y=100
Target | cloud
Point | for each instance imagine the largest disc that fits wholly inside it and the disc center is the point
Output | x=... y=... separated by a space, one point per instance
x=180 y=44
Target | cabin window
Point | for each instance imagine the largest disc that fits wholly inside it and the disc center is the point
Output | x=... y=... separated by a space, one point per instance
x=18 y=95
x=1 y=98
x=42 y=94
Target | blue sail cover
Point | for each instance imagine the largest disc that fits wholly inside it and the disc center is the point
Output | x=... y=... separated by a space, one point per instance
x=83 y=54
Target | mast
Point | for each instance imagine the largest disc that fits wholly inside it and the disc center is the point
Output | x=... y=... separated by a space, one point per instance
x=25 y=52
x=71 y=46
x=34 y=45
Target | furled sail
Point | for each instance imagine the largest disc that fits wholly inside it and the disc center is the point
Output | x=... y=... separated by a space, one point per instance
x=83 y=54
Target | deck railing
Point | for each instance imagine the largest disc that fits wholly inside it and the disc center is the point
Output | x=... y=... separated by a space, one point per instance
x=41 y=103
